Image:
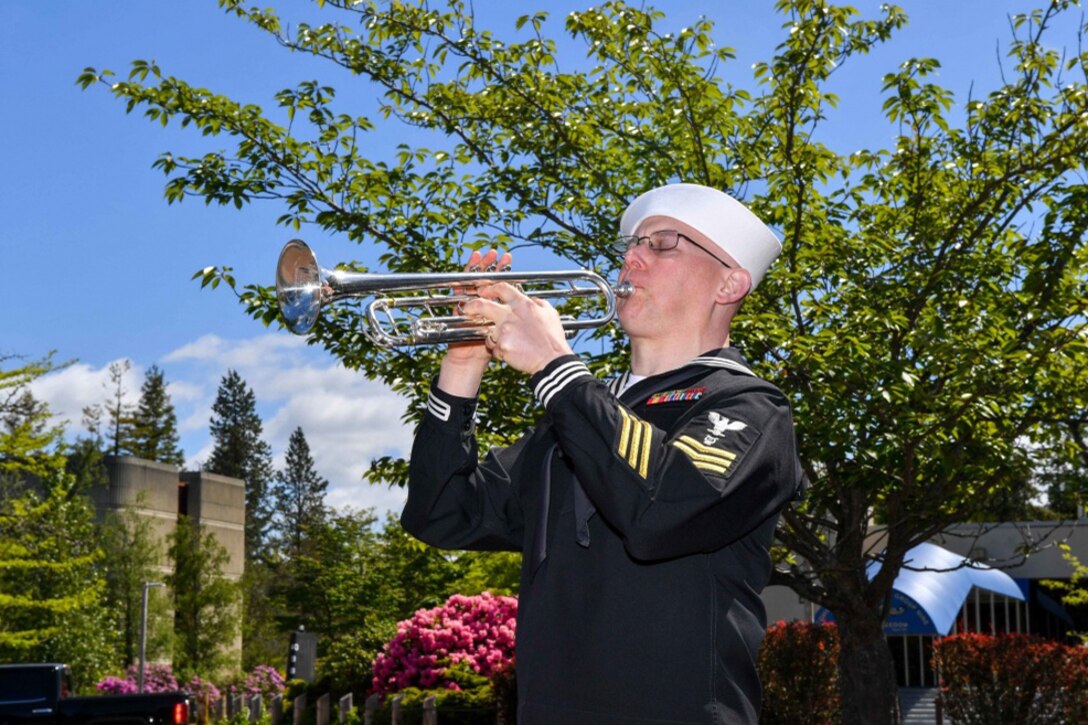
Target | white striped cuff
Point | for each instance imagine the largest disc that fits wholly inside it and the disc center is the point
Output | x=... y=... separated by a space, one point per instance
x=554 y=382
x=438 y=408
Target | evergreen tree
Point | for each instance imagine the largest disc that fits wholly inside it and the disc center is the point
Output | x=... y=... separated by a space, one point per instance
x=27 y=443
x=240 y=453
x=118 y=410
x=298 y=496
x=86 y=462
x=51 y=603
x=154 y=432
x=205 y=601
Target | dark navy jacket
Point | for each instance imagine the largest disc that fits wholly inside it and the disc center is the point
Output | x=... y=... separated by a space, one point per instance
x=645 y=523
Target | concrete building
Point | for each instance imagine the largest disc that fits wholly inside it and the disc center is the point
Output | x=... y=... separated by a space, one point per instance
x=161 y=493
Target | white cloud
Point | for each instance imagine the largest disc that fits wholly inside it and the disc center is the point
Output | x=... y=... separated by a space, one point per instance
x=69 y=390
x=182 y=391
x=236 y=354
x=348 y=420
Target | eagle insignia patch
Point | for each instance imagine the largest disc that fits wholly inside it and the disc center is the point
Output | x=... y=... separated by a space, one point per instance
x=716 y=443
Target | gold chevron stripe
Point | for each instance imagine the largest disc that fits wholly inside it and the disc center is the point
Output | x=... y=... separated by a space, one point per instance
x=709 y=467
x=647 y=441
x=625 y=434
x=636 y=440
x=709 y=450
x=702 y=458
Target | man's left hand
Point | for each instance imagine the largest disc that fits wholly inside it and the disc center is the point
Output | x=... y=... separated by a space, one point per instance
x=527 y=333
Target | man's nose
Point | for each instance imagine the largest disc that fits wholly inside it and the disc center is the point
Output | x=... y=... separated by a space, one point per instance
x=636 y=256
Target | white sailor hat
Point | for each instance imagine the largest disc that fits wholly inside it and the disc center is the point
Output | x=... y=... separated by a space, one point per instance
x=719 y=217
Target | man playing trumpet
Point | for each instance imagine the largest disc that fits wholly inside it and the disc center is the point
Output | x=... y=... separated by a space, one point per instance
x=644 y=508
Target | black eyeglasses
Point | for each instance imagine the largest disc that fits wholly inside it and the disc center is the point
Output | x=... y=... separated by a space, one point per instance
x=660 y=241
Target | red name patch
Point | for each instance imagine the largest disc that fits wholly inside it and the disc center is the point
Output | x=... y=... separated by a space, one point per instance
x=674 y=396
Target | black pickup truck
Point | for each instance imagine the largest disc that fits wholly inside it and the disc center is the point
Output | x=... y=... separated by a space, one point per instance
x=39 y=695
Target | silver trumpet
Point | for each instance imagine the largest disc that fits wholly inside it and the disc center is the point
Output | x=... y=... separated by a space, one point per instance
x=430 y=315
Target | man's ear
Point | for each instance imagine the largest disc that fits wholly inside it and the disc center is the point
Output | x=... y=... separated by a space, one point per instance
x=735 y=285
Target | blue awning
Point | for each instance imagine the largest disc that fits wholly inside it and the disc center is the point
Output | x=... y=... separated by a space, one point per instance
x=927 y=602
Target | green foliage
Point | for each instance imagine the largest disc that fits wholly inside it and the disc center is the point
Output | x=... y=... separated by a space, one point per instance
x=298 y=497
x=86 y=463
x=205 y=601
x=498 y=572
x=264 y=639
x=1074 y=591
x=132 y=555
x=28 y=444
x=118 y=410
x=154 y=433
x=472 y=704
x=927 y=317
x=51 y=591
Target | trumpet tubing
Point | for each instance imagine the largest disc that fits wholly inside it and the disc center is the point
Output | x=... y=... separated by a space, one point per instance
x=303 y=288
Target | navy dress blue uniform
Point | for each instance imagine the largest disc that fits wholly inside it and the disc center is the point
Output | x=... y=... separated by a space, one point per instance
x=645 y=522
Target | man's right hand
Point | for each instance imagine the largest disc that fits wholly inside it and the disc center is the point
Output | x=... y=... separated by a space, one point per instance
x=465 y=362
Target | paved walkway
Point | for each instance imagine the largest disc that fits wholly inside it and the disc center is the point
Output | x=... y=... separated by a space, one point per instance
x=918 y=705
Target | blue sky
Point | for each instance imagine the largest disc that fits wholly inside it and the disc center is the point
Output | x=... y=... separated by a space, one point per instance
x=99 y=266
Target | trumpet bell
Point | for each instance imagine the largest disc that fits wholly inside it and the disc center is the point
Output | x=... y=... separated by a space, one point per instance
x=299 y=283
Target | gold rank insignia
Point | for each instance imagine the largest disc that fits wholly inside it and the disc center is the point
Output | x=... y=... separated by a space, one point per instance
x=636 y=439
x=716 y=443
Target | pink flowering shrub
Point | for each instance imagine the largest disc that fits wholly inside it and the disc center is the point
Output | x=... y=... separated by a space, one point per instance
x=157 y=678
x=475 y=632
x=116 y=686
x=202 y=690
x=264 y=680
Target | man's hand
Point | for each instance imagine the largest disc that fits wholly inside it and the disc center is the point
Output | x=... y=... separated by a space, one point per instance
x=527 y=332
x=465 y=362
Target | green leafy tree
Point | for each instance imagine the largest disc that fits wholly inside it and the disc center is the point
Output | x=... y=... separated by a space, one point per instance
x=298 y=496
x=154 y=433
x=205 y=601
x=51 y=590
x=240 y=452
x=264 y=640
x=133 y=556
x=926 y=318
x=332 y=585
x=1074 y=591
x=498 y=572
x=354 y=582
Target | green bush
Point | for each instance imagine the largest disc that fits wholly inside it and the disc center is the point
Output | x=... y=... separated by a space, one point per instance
x=473 y=704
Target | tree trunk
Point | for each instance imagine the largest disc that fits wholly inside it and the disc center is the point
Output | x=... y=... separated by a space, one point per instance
x=866 y=671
